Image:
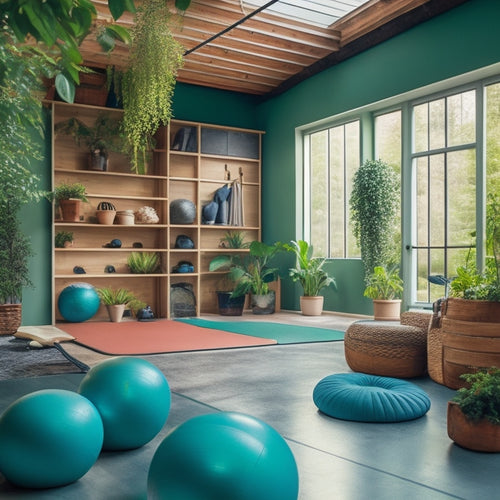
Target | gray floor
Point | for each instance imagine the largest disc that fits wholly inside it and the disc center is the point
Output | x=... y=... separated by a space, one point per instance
x=336 y=459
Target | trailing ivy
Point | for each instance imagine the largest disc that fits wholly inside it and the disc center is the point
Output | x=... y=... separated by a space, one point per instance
x=373 y=203
x=149 y=81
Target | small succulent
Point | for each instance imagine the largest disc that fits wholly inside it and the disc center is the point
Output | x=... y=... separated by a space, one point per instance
x=143 y=262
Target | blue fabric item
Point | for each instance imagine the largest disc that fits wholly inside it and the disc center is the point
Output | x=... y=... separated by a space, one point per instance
x=370 y=398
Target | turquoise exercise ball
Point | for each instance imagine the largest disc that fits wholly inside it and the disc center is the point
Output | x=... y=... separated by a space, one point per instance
x=223 y=455
x=133 y=397
x=49 y=438
x=78 y=302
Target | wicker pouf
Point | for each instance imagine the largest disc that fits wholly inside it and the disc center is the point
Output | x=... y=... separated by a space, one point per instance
x=386 y=348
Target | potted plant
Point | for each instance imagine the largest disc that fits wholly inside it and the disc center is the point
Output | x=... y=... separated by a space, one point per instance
x=228 y=303
x=252 y=274
x=474 y=413
x=115 y=301
x=105 y=212
x=100 y=138
x=63 y=239
x=470 y=316
x=69 y=197
x=385 y=287
x=309 y=272
x=143 y=262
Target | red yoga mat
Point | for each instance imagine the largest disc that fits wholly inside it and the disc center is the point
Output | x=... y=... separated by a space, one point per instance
x=160 y=336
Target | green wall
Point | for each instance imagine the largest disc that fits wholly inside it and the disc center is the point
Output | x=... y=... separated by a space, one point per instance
x=459 y=41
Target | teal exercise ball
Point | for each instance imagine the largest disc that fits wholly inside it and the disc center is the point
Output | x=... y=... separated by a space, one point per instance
x=133 y=397
x=49 y=438
x=78 y=302
x=223 y=455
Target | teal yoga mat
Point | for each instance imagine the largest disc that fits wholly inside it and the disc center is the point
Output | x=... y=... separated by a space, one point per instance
x=281 y=332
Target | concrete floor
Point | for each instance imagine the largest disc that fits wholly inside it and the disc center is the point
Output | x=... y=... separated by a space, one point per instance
x=336 y=459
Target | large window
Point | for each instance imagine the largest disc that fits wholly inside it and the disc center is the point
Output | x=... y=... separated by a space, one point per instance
x=446 y=148
x=333 y=156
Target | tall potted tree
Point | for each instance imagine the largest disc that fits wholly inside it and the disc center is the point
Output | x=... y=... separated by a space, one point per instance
x=309 y=272
x=373 y=203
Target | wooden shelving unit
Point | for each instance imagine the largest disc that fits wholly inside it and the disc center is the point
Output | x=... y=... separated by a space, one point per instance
x=216 y=156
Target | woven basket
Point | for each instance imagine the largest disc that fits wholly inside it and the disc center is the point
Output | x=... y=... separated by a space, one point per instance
x=10 y=318
x=386 y=349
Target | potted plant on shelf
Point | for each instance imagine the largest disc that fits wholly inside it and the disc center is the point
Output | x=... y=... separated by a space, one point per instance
x=374 y=202
x=252 y=274
x=115 y=301
x=474 y=413
x=68 y=198
x=63 y=239
x=309 y=272
x=105 y=213
x=385 y=287
x=470 y=316
x=100 y=138
x=143 y=262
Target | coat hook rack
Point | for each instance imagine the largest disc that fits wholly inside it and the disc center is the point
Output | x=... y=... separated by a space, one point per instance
x=227 y=173
x=241 y=174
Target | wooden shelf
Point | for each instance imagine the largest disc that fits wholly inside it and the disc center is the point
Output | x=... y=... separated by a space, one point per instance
x=173 y=174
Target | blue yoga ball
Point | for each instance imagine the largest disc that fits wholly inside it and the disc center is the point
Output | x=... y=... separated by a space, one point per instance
x=78 y=302
x=223 y=455
x=49 y=438
x=133 y=397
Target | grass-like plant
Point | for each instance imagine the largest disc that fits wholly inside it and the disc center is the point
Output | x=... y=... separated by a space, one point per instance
x=481 y=398
x=112 y=296
x=384 y=284
x=143 y=262
x=234 y=239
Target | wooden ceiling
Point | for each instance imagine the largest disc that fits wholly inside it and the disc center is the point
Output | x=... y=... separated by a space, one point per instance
x=268 y=54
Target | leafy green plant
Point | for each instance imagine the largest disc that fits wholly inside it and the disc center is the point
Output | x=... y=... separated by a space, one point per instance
x=252 y=272
x=111 y=296
x=148 y=83
x=234 y=239
x=308 y=270
x=384 y=284
x=374 y=201
x=481 y=398
x=143 y=262
x=102 y=136
x=62 y=237
x=70 y=191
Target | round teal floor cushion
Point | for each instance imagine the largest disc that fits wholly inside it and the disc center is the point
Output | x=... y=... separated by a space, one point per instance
x=370 y=398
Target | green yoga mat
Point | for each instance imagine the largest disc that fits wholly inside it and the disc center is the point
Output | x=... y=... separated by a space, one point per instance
x=282 y=333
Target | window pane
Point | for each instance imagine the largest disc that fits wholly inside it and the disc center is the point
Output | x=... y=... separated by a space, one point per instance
x=388 y=138
x=461 y=196
x=420 y=128
x=492 y=138
x=319 y=190
x=461 y=110
x=353 y=159
x=436 y=124
x=337 y=191
x=421 y=201
x=437 y=201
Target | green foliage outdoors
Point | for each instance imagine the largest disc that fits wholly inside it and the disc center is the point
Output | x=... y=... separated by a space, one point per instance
x=148 y=84
x=480 y=399
x=143 y=262
x=374 y=201
x=308 y=270
x=384 y=284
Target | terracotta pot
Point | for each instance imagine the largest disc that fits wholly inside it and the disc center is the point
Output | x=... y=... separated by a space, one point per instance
x=387 y=310
x=70 y=210
x=477 y=436
x=312 y=306
x=105 y=216
x=115 y=312
x=471 y=338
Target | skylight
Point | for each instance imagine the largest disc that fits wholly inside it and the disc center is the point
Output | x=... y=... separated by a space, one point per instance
x=321 y=13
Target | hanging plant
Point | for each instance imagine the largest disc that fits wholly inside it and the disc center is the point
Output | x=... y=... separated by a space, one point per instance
x=149 y=81
x=374 y=202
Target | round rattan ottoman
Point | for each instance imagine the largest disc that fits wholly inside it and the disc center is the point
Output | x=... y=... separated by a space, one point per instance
x=386 y=348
